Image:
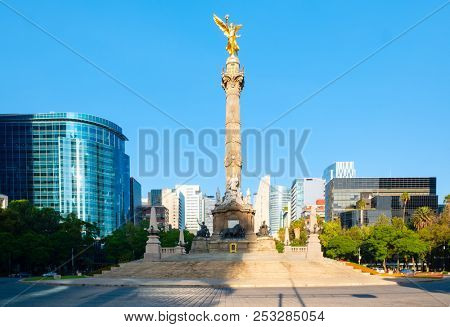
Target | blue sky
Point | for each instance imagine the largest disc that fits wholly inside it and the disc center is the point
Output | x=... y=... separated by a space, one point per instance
x=390 y=115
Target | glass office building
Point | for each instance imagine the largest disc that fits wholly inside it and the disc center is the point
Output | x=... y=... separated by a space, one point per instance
x=341 y=194
x=279 y=198
x=135 y=201
x=70 y=162
x=155 y=197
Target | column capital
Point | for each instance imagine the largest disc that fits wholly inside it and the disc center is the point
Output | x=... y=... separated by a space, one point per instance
x=233 y=76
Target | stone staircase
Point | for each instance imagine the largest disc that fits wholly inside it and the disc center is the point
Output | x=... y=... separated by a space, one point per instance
x=265 y=270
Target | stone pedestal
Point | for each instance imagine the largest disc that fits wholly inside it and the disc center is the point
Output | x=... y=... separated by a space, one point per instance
x=153 y=248
x=199 y=245
x=266 y=244
x=314 y=251
x=226 y=214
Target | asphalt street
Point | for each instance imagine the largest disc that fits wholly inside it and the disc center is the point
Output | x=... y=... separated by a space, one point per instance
x=405 y=293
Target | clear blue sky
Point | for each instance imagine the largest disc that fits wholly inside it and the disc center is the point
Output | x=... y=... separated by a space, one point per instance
x=390 y=115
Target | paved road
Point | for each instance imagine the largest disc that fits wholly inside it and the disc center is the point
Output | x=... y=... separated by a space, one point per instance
x=435 y=293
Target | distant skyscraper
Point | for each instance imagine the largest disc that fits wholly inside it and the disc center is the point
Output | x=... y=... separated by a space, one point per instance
x=155 y=197
x=261 y=202
x=339 y=169
x=135 y=201
x=278 y=203
x=305 y=192
x=193 y=208
x=71 y=162
x=174 y=202
x=209 y=203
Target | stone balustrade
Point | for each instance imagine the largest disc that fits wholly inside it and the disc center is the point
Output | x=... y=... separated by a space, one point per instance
x=295 y=249
x=167 y=252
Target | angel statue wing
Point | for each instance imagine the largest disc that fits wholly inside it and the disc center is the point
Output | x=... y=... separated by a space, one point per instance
x=221 y=25
x=237 y=28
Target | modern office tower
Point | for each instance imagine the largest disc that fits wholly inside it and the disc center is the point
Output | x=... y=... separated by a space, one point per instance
x=261 y=203
x=193 y=208
x=174 y=202
x=135 y=201
x=209 y=203
x=278 y=203
x=341 y=194
x=304 y=192
x=155 y=197
x=3 y=201
x=339 y=169
x=70 y=162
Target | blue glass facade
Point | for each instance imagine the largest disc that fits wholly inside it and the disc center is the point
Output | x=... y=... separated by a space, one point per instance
x=279 y=198
x=70 y=162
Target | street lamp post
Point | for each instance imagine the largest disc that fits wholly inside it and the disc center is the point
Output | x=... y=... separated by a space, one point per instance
x=443 y=257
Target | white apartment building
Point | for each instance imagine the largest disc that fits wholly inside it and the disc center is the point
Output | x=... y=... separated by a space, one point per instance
x=174 y=202
x=193 y=206
x=209 y=203
x=261 y=202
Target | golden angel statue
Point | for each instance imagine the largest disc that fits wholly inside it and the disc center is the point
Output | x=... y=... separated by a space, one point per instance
x=230 y=31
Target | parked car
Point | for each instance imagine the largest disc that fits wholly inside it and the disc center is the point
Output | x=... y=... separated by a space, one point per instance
x=50 y=274
x=407 y=272
x=21 y=275
x=379 y=270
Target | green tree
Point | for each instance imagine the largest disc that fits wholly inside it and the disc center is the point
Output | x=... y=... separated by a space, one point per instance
x=281 y=232
x=37 y=240
x=409 y=245
x=398 y=223
x=447 y=199
x=126 y=243
x=361 y=205
x=376 y=250
x=379 y=245
x=342 y=247
x=331 y=229
x=423 y=217
x=404 y=198
x=437 y=236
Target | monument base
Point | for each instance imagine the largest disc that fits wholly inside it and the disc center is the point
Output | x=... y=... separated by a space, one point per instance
x=242 y=245
x=200 y=245
x=153 y=249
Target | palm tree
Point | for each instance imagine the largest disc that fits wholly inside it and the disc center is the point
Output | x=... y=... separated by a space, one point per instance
x=404 y=198
x=423 y=217
x=447 y=200
x=361 y=205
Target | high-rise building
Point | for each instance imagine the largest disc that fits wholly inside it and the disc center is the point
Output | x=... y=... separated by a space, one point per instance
x=155 y=197
x=135 y=201
x=174 y=202
x=209 y=203
x=71 y=162
x=341 y=194
x=261 y=203
x=193 y=208
x=305 y=192
x=278 y=204
x=339 y=169
x=3 y=201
